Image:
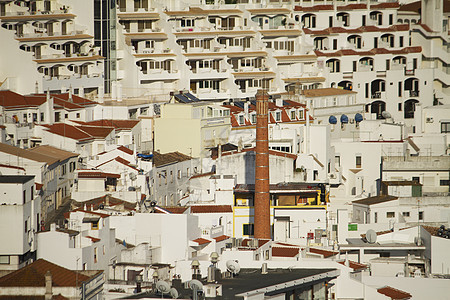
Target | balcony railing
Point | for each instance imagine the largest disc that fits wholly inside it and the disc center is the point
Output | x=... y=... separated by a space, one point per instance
x=414 y=93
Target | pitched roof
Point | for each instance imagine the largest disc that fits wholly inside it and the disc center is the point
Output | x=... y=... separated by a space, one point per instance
x=125 y=149
x=117 y=124
x=202 y=241
x=96 y=174
x=326 y=92
x=96 y=202
x=394 y=293
x=285 y=251
x=12 y=100
x=16 y=151
x=174 y=209
x=221 y=238
x=375 y=200
x=119 y=160
x=53 y=152
x=325 y=253
x=354 y=265
x=168 y=158
x=68 y=131
x=203 y=209
x=11 y=167
x=33 y=275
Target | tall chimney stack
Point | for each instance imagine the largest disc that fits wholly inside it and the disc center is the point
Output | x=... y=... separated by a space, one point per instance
x=262 y=195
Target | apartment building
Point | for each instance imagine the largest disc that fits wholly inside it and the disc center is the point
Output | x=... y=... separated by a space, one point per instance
x=63 y=50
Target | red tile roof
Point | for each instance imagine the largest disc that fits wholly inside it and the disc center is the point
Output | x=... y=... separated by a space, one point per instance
x=353 y=264
x=261 y=242
x=117 y=124
x=97 y=174
x=325 y=253
x=202 y=175
x=202 y=241
x=125 y=149
x=119 y=160
x=285 y=252
x=33 y=275
x=206 y=209
x=11 y=167
x=271 y=152
x=68 y=131
x=174 y=209
x=94 y=239
x=12 y=100
x=96 y=202
x=221 y=238
x=394 y=293
x=38 y=186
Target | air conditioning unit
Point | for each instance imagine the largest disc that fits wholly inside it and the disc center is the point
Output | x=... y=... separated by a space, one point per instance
x=430 y=120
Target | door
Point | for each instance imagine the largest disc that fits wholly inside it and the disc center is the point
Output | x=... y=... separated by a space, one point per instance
x=282 y=229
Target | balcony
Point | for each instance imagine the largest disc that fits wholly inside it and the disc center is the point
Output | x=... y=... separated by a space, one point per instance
x=377 y=95
x=409 y=72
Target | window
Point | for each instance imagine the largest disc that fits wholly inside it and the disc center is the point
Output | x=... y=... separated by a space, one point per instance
x=337 y=161
x=42 y=117
x=94 y=225
x=292 y=114
x=32 y=193
x=376 y=218
x=241 y=120
x=400 y=42
x=248 y=229
x=300 y=114
x=24 y=197
x=445 y=127
x=278 y=116
x=104 y=249
x=78 y=115
x=444 y=182
x=95 y=255
x=399 y=107
x=171 y=176
x=26 y=226
x=358 y=161
x=416 y=179
x=421 y=215
x=179 y=174
x=253 y=118
x=406 y=214
x=390 y=214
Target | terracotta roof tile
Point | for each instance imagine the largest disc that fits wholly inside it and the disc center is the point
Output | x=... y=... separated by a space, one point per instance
x=11 y=167
x=221 y=238
x=202 y=175
x=325 y=253
x=33 y=275
x=202 y=241
x=285 y=252
x=168 y=158
x=375 y=200
x=97 y=174
x=202 y=209
x=261 y=242
x=94 y=239
x=174 y=209
x=117 y=124
x=16 y=151
x=394 y=294
x=125 y=149
x=53 y=152
x=113 y=201
x=354 y=265
x=38 y=186
x=68 y=131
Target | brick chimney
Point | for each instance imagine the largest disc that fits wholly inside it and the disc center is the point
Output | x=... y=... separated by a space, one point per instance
x=262 y=196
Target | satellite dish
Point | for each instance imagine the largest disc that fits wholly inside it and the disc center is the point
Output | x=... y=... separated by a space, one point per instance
x=173 y=293
x=386 y=115
x=371 y=236
x=163 y=287
x=233 y=266
x=344 y=119
x=194 y=284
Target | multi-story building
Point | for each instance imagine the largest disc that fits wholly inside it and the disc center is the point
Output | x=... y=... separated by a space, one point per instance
x=62 y=49
x=20 y=212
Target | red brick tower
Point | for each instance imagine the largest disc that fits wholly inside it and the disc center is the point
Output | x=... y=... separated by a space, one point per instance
x=262 y=196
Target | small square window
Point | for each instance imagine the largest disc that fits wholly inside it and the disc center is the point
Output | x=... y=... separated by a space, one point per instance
x=390 y=214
